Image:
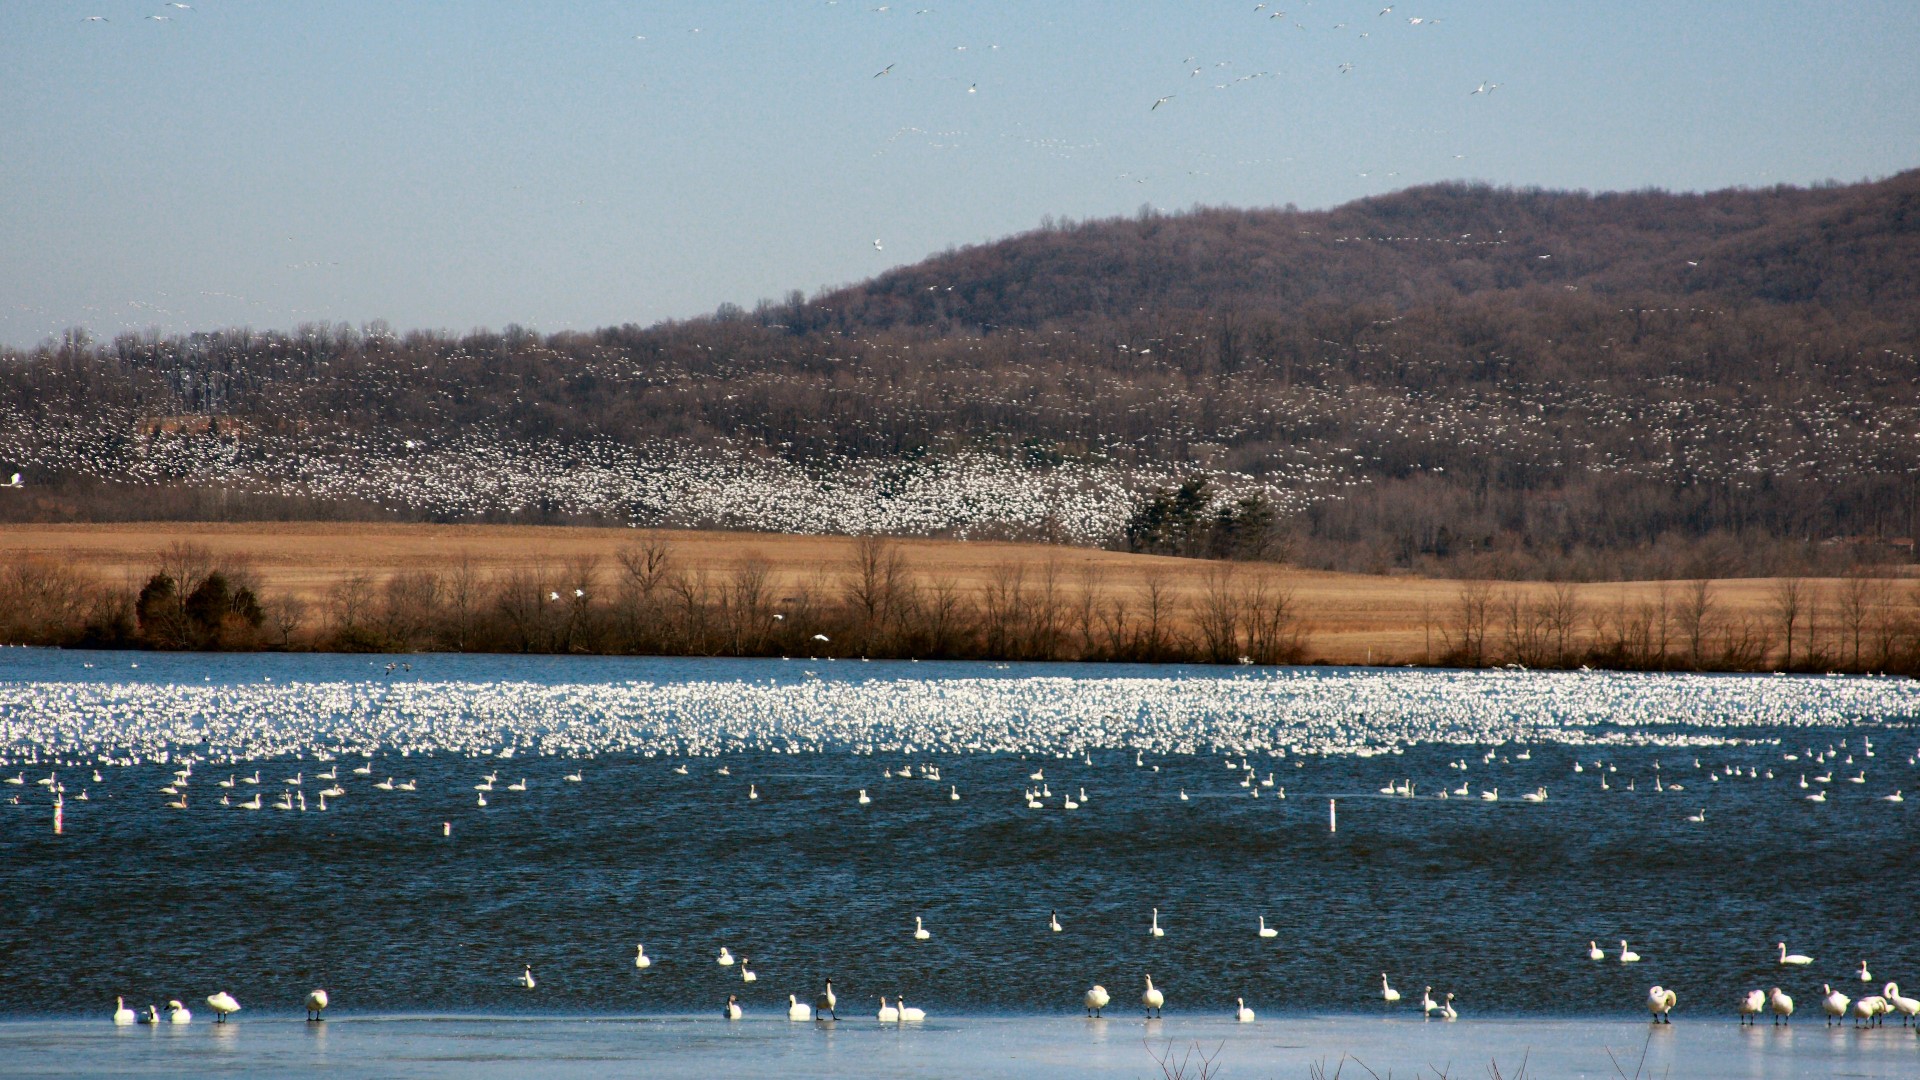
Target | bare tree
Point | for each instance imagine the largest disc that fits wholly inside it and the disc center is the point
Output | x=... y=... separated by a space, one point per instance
x=1466 y=639
x=874 y=574
x=1854 y=609
x=1696 y=620
x=464 y=595
x=284 y=615
x=1789 y=596
x=1217 y=614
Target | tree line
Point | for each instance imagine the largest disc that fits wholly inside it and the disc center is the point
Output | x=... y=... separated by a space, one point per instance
x=647 y=602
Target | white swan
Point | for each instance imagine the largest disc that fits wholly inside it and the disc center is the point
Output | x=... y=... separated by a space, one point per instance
x=1447 y=1010
x=1907 y=1007
x=953 y=793
x=1095 y=1000
x=1427 y=1004
x=888 y=1014
x=640 y=957
x=909 y=1014
x=1869 y=1009
x=1781 y=1005
x=1490 y=796
x=828 y=1002
x=121 y=1014
x=1752 y=1005
x=1834 y=1004
x=1628 y=956
x=864 y=798
x=526 y=978
x=1241 y=1012
x=1267 y=931
x=223 y=1006
x=1154 y=930
x=178 y=1013
x=733 y=1007
x=1053 y=922
x=1793 y=959
x=1387 y=991
x=1895 y=797
x=1865 y=976
x=317 y=999
x=572 y=777
x=1183 y=794
x=920 y=932
x=753 y=792
x=1660 y=1002
x=1152 y=999
x=746 y=973
x=797 y=1011
x=1699 y=817
x=1594 y=952
x=725 y=959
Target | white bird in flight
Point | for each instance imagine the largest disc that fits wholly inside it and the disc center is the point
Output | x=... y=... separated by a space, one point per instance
x=883 y=71
x=1162 y=101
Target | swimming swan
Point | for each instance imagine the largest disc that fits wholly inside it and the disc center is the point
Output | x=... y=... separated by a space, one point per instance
x=1242 y=1013
x=1387 y=992
x=797 y=1011
x=1793 y=959
x=1628 y=956
x=1154 y=930
x=1265 y=930
x=121 y=1014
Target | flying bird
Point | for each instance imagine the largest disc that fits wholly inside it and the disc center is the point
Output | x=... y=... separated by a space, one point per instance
x=883 y=71
x=1162 y=101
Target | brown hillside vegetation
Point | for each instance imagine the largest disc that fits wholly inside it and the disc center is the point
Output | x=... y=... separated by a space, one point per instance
x=1448 y=380
x=401 y=586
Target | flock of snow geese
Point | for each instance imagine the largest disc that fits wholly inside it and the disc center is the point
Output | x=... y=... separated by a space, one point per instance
x=1264 y=726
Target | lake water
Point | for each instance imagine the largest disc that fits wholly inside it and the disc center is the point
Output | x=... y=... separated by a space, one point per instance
x=1494 y=902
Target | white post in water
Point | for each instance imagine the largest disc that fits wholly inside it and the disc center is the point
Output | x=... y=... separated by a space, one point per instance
x=1333 y=817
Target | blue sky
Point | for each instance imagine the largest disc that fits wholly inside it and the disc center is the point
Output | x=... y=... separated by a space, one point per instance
x=452 y=165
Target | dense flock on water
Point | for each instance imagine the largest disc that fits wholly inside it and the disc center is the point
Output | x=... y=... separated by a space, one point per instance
x=1274 y=713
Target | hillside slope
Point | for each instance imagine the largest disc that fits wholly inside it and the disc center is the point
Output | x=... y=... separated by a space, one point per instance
x=1616 y=385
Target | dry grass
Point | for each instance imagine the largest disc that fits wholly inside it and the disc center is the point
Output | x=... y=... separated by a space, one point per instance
x=1354 y=618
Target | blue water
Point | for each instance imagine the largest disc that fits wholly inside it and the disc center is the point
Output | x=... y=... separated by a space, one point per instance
x=1494 y=902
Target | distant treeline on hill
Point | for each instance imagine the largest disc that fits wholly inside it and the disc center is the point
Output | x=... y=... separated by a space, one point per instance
x=1453 y=379
x=875 y=603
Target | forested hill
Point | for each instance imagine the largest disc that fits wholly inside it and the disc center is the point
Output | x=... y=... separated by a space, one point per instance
x=1452 y=378
x=1847 y=248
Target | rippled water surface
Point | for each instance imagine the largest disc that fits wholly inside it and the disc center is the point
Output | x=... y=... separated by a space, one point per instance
x=1493 y=901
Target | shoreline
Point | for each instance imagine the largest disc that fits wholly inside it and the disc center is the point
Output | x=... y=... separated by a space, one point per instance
x=956 y=1046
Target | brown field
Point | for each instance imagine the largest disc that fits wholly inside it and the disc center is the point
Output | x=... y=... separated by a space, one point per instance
x=1352 y=618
